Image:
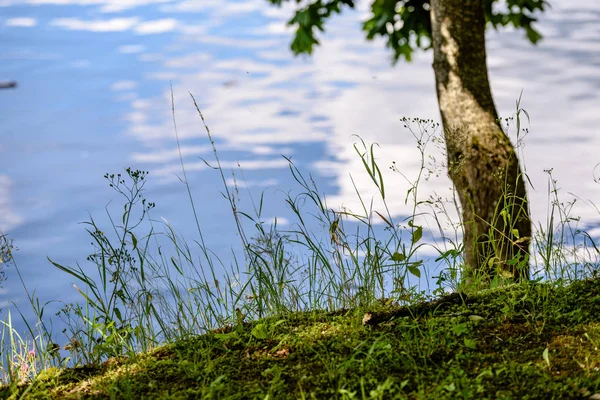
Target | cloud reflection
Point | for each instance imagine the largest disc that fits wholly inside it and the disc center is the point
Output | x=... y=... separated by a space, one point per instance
x=117 y=25
x=131 y=49
x=170 y=172
x=123 y=85
x=252 y=183
x=165 y=156
x=157 y=26
x=23 y=22
x=108 y=25
x=8 y=218
x=108 y=6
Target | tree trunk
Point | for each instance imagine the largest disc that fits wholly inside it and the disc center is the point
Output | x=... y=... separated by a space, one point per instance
x=482 y=162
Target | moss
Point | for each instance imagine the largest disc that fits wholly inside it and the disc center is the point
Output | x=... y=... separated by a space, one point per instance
x=489 y=345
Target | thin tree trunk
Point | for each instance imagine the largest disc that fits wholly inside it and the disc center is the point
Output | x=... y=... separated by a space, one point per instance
x=482 y=162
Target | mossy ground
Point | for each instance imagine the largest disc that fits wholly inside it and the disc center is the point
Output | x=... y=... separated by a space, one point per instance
x=531 y=341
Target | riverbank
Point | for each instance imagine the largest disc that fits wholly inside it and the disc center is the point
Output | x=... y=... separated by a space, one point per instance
x=521 y=341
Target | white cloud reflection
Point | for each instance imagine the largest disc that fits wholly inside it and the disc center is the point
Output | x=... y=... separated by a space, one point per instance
x=192 y=60
x=131 y=49
x=117 y=25
x=108 y=25
x=123 y=85
x=169 y=173
x=23 y=22
x=108 y=6
x=252 y=183
x=157 y=26
x=217 y=8
x=8 y=218
x=163 y=156
x=281 y=221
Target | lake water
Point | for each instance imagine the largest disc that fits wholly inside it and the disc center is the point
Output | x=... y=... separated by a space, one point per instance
x=94 y=96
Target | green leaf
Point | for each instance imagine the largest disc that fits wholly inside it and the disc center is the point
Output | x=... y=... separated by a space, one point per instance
x=133 y=240
x=515 y=233
x=398 y=257
x=384 y=219
x=505 y=216
x=450 y=387
x=226 y=336
x=304 y=41
x=460 y=329
x=118 y=314
x=260 y=332
x=533 y=35
x=452 y=253
x=546 y=357
x=413 y=268
x=415 y=30
x=470 y=343
x=276 y=324
x=417 y=234
x=476 y=318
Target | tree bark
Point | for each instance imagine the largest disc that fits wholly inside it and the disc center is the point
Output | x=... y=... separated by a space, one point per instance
x=482 y=162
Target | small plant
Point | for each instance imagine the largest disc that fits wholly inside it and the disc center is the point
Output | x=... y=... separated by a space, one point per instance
x=564 y=251
x=111 y=321
x=6 y=254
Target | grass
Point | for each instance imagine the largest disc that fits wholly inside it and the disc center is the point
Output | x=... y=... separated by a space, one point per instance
x=520 y=341
x=340 y=305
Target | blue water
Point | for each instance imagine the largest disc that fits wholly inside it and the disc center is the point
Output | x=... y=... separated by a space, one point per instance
x=94 y=96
